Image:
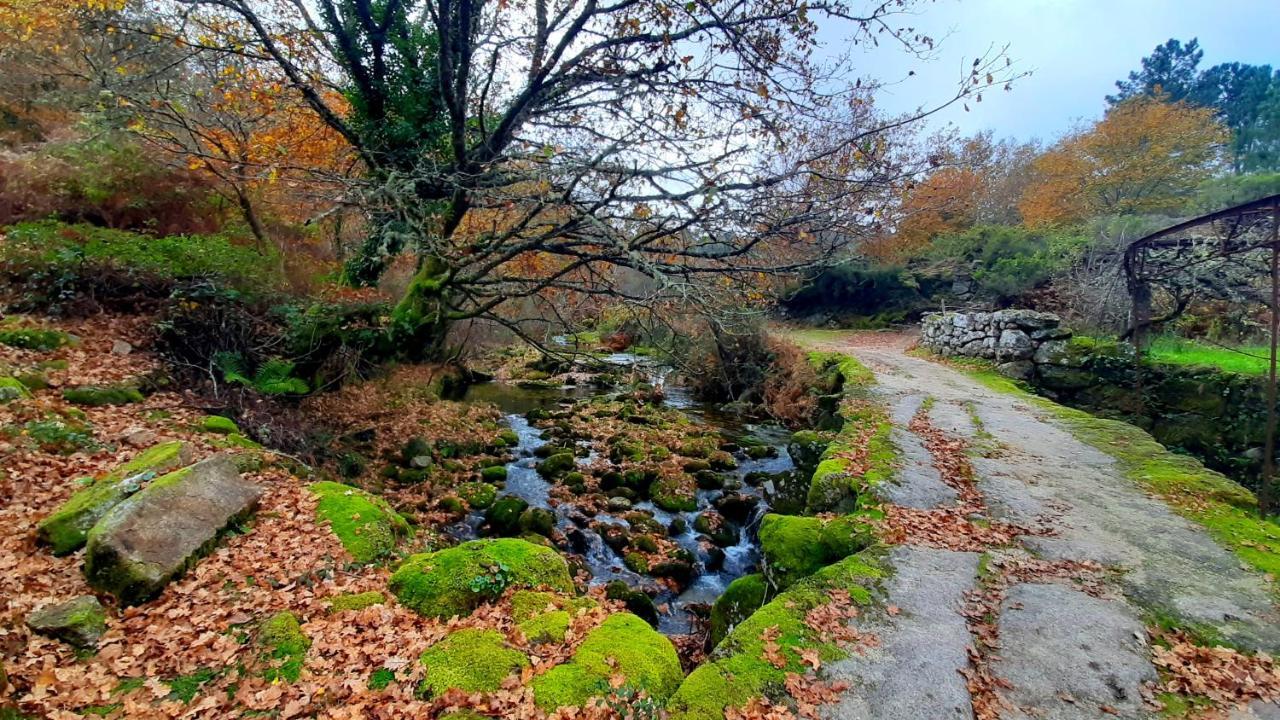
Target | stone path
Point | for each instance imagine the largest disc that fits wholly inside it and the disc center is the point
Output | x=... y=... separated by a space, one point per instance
x=1065 y=654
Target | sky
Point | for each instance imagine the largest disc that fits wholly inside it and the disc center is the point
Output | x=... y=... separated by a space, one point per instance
x=1074 y=49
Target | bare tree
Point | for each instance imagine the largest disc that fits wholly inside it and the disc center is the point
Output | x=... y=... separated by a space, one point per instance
x=526 y=148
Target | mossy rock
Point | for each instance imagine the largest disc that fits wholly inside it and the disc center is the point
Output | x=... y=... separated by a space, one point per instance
x=636 y=601
x=507 y=438
x=737 y=670
x=479 y=495
x=675 y=494
x=284 y=647
x=795 y=546
x=470 y=660
x=355 y=601
x=99 y=396
x=538 y=521
x=743 y=597
x=79 y=622
x=622 y=645
x=503 y=517
x=549 y=628
x=12 y=388
x=366 y=525
x=805 y=448
x=494 y=474
x=456 y=580
x=557 y=464
x=66 y=529
x=219 y=424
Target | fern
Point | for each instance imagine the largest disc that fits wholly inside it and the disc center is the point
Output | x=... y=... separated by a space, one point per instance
x=273 y=377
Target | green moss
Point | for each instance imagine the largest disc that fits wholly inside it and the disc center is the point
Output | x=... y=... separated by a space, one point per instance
x=219 y=424
x=557 y=464
x=366 y=525
x=494 y=474
x=795 y=546
x=382 y=677
x=477 y=494
x=185 y=687
x=529 y=604
x=98 y=396
x=33 y=338
x=355 y=601
x=285 y=646
x=743 y=597
x=674 y=494
x=623 y=644
x=12 y=388
x=737 y=670
x=470 y=660
x=456 y=580
x=66 y=529
x=549 y=627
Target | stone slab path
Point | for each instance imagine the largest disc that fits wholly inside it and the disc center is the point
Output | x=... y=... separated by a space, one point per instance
x=1065 y=654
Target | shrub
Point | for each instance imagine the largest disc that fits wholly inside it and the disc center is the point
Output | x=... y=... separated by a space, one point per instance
x=1006 y=261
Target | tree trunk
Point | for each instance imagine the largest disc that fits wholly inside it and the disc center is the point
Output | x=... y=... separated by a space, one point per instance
x=420 y=320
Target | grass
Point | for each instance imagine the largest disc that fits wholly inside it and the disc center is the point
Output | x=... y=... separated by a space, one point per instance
x=1245 y=360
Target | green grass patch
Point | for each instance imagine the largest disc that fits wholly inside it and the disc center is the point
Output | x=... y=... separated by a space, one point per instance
x=1245 y=360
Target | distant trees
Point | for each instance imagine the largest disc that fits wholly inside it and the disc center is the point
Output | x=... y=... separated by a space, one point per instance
x=1146 y=155
x=1245 y=98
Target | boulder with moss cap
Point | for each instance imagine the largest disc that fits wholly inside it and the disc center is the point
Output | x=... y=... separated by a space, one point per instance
x=796 y=546
x=622 y=645
x=456 y=580
x=154 y=535
x=80 y=621
x=470 y=660
x=366 y=525
x=66 y=529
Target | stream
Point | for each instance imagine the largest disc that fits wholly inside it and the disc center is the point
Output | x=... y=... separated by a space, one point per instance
x=715 y=567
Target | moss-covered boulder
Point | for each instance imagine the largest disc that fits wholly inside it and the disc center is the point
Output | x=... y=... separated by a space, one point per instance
x=154 y=535
x=366 y=525
x=503 y=516
x=738 y=671
x=34 y=338
x=557 y=465
x=637 y=602
x=675 y=493
x=355 y=601
x=470 y=660
x=805 y=448
x=795 y=546
x=456 y=580
x=494 y=474
x=66 y=529
x=219 y=425
x=100 y=395
x=622 y=645
x=743 y=597
x=284 y=647
x=11 y=388
x=538 y=521
x=478 y=495
x=80 y=621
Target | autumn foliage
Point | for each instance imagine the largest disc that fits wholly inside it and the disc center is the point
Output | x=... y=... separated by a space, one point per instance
x=1145 y=156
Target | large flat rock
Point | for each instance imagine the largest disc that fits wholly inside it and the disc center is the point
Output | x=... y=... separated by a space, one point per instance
x=153 y=536
x=1071 y=656
x=915 y=671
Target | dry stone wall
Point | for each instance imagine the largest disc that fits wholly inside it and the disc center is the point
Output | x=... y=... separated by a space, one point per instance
x=1017 y=340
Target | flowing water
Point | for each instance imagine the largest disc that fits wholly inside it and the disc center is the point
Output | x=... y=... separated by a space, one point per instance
x=713 y=572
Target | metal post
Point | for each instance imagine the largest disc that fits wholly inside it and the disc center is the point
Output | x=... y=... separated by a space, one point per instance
x=1269 y=454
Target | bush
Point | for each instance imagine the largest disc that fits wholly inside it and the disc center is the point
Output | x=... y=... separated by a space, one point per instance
x=1005 y=262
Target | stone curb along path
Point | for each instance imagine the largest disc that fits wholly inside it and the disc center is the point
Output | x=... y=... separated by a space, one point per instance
x=1062 y=633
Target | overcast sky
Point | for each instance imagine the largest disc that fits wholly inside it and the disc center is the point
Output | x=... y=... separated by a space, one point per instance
x=1075 y=49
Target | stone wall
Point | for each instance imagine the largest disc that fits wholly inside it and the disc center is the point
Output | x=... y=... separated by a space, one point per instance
x=1017 y=340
